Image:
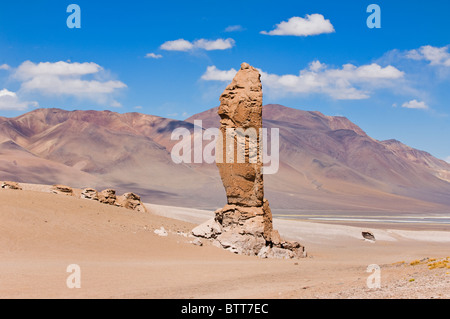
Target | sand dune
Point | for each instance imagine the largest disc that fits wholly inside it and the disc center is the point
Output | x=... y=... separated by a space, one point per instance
x=121 y=257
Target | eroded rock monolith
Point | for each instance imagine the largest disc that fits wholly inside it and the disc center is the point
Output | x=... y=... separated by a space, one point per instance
x=244 y=225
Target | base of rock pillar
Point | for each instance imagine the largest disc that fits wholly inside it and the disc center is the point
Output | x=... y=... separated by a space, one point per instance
x=247 y=231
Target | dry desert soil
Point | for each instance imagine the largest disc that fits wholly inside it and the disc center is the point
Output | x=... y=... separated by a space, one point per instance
x=120 y=256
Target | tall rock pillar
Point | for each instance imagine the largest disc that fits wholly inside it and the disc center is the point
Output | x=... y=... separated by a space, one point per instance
x=244 y=225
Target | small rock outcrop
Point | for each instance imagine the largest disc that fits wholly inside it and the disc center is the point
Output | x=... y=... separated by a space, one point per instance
x=368 y=235
x=62 y=190
x=108 y=196
x=131 y=201
x=89 y=193
x=11 y=185
x=244 y=226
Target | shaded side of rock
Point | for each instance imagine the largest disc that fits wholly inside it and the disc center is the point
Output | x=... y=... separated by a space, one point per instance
x=11 y=185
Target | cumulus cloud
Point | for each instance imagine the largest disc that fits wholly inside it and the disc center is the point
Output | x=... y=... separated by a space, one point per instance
x=5 y=67
x=312 y=24
x=177 y=45
x=214 y=74
x=68 y=79
x=347 y=83
x=414 y=104
x=219 y=44
x=153 y=56
x=434 y=55
x=10 y=101
x=203 y=44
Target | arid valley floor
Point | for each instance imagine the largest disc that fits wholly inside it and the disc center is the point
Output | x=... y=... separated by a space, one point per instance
x=120 y=256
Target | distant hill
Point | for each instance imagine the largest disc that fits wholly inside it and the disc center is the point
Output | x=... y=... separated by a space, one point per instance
x=327 y=163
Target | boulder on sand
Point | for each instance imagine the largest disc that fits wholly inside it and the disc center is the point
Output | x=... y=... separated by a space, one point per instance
x=11 y=185
x=108 y=196
x=89 y=193
x=62 y=190
x=131 y=201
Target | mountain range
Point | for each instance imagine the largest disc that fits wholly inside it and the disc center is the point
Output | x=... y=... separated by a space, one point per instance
x=327 y=163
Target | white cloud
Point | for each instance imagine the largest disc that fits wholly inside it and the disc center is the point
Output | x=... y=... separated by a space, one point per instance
x=177 y=45
x=434 y=55
x=5 y=67
x=414 y=104
x=214 y=74
x=208 y=45
x=153 y=56
x=234 y=28
x=347 y=83
x=312 y=24
x=28 y=69
x=447 y=159
x=66 y=79
x=366 y=72
x=10 y=101
x=219 y=44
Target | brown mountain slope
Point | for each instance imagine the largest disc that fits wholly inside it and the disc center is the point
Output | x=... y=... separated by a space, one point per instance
x=118 y=150
x=330 y=162
x=326 y=163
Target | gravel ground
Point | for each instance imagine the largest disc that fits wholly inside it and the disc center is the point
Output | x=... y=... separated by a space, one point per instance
x=426 y=279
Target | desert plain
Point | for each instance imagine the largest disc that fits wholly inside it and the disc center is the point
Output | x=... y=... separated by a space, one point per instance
x=121 y=256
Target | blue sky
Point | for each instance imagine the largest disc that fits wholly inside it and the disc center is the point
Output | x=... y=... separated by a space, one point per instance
x=174 y=58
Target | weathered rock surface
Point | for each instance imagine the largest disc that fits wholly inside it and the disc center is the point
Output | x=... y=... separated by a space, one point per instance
x=62 y=190
x=210 y=229
x=244 y=226
x=89 y=193
x=108 y=196
x=368 y=235
x=241 y=108
x=11 y=185
x=131 y=201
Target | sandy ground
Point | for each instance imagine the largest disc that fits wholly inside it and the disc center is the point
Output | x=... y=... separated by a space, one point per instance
x=120 y=256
